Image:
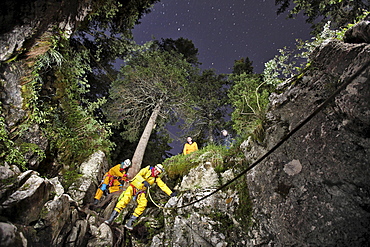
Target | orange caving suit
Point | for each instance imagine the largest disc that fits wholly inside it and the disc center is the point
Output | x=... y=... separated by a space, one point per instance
x=111 y=180
x=138 y=189
x=189 y=148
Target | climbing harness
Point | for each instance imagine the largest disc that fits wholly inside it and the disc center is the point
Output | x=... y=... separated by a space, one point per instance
x=136 y=192
x=284 y=139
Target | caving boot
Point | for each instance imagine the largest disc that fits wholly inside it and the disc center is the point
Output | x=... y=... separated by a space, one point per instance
x=130 y=221
x=112 y=217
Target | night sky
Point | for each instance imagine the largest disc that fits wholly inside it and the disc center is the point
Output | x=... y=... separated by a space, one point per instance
x=224 y=31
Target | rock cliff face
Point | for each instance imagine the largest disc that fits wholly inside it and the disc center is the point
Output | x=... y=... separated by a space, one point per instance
x=36 y=211
x=25 y=29
x=314 y=189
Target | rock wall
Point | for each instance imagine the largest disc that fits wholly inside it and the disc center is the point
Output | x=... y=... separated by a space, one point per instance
x=314 y=190
x=36 y=211
x=25 y=27
x=209 y=222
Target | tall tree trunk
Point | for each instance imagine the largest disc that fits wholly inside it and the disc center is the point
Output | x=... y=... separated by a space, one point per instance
x=210 y=129
x=137 y=159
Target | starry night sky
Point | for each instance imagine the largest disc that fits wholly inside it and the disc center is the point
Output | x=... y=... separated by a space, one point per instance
x=224 y=31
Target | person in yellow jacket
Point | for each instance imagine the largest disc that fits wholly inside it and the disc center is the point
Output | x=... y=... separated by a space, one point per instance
x=112 y=180
x=137 y=189
x=189 y=146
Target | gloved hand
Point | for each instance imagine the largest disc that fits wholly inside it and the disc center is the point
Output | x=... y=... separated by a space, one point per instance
x=123 y=178
x=173 y=194
x=146 y=184
x=103 y=187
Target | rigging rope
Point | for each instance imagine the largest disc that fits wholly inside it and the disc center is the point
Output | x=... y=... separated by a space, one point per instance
x=284 y=139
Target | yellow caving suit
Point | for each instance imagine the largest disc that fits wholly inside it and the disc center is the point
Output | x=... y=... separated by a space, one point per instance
x=137 y=188
x=111 y=179
x=189 y=148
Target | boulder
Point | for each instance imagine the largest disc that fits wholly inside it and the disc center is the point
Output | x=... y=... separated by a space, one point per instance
x=10 y=236
x=102 y=236
x=359 y=33
x=209 y=222
x=54 y=216
x=83 y=190
x=24 y=205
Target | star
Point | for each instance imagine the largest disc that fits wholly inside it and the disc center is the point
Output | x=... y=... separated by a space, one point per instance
x=224 y=31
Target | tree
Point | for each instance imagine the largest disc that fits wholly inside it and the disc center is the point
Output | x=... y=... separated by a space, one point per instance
x=249 y=97
x=107 y=35
x=209 y=91
x=151 y=90
x=181 y=46
x=243 y=65
x=339 y=12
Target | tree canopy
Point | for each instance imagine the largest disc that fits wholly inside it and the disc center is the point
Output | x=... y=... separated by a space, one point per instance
x=150 y=91
x=243 y=65
x=339 y=12
x=209 y=93
x=181 y=46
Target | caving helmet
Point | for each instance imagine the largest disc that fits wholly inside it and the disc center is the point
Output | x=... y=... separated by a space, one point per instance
x=159 y=168
x=125 y=164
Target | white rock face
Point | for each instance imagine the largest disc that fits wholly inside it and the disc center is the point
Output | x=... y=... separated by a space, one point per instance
x=83 y=189
x=203 y=176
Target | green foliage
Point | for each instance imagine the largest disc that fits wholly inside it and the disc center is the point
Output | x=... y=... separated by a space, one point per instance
x=9 y=151
x=339 y=12
x=151 y=78
x=31 y=89
x=178 y=166
x=72 y=129
x=243 y=65
x=208 y=91
x=244 y=210
x=226 y=225
x=289 y=63
x=54 y=99
x=282 y=66
x=249 y=97
x=118 y=16
x=70 y=175
x=106 y=34
x=181 y=46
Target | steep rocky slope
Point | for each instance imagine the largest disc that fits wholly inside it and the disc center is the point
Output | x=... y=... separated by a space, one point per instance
x=314 y=190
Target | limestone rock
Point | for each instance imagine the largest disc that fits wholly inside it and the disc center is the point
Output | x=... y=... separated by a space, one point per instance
x=24 y=205
x=200 y=177
x=103 y=236
x=359 y=33
x=314 y=190
x=10 y=236
x=83 y=190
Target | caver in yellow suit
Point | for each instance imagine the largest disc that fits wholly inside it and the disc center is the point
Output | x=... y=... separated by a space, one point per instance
x=112 y=180
x=189 y=146
x=137 y=189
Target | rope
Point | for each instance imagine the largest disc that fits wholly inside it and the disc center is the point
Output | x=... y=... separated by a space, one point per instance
x=157 y=205
x=284 y=139
x=172 y=208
